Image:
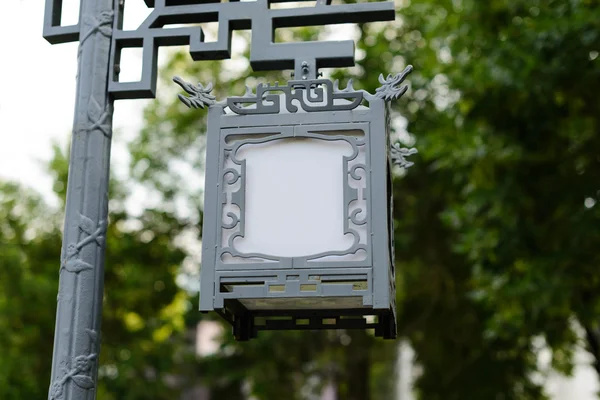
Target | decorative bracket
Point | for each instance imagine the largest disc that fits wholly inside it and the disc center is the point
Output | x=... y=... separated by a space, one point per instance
x=398 y=155
x=200 y=95
x=312 y=95
x=390 y=88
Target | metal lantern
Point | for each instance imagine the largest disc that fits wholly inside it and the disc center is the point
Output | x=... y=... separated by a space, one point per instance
x=298 y=229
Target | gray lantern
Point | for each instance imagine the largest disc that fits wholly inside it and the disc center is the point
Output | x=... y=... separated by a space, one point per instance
x=298 y=229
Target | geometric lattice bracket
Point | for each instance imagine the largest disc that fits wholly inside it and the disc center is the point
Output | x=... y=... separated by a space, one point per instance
x=259 y=16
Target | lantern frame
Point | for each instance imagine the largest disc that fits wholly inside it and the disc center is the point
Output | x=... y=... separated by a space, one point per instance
x=258 y=291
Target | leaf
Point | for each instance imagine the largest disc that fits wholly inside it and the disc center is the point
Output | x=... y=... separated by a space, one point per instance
x=83 y=381
x=86 y=224
x=89 y=20
x=95 y=111
x=56 y=390
x=76 y=266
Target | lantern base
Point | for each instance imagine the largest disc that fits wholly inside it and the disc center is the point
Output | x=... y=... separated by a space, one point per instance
x=247 y=323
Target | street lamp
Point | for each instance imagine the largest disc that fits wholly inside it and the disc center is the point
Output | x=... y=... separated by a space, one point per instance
x=297 y=212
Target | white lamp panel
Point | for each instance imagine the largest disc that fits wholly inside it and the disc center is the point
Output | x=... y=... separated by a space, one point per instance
x=294 y=197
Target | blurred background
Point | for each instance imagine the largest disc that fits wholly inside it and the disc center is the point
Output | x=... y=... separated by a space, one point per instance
x=497 y=227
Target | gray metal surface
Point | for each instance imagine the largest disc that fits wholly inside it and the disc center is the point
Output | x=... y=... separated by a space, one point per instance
x=79 y=308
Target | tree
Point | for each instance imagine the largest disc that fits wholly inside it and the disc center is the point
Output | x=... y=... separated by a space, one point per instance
x=143 y=321
x=29 y=250
x=496 y=224
x=497 y=227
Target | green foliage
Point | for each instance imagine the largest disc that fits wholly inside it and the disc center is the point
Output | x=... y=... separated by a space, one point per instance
x=143 y=321
x=496 y=229
x=29 y=252
x=495 y=242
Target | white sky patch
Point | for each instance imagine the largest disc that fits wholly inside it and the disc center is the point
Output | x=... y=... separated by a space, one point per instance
x=37 y=96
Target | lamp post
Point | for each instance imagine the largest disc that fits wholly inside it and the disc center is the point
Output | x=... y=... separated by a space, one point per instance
x=312 y=264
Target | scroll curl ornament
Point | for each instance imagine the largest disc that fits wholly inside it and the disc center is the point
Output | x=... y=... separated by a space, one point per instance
x=390 y=89
x=398 y=155
x=200 y=96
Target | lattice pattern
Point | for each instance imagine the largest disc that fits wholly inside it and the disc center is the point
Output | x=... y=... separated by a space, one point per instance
x=300 y=286
x=247 y=325
x=304 y=57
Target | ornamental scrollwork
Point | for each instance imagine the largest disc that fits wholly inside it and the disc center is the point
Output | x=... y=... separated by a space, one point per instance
x=232 y=220
x=398 y=155
x=311 y=95
x=314 y=95
x=390 y=88
x=200 y=96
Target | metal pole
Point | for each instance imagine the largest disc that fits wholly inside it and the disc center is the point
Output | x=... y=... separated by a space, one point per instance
x=79 y=308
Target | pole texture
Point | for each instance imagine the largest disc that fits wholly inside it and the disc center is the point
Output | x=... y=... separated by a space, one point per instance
x=79 y=308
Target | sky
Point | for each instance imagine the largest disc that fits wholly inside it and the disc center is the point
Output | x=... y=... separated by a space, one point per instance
x=37 y=91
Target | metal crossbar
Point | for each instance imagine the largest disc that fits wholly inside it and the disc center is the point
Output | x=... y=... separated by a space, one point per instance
x=304 y=57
